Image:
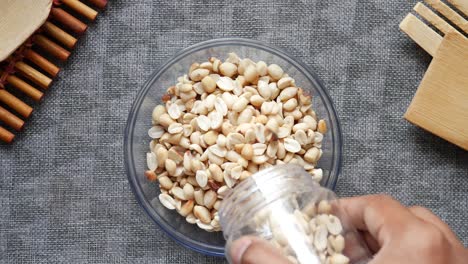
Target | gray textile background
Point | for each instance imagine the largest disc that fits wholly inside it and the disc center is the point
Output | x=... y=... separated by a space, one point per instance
x=64 y=195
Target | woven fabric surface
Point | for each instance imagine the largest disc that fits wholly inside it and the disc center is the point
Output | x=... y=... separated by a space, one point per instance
x=64 y=194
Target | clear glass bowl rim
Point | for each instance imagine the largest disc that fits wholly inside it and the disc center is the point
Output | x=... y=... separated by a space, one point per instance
x=128 y=136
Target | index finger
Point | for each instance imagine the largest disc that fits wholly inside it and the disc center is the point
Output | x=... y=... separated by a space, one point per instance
x=380 y=215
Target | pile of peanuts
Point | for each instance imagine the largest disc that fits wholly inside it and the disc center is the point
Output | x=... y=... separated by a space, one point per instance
x=220 y=124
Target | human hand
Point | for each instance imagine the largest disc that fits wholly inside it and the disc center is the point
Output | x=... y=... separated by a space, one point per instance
x=394 y=233
x=397 y=234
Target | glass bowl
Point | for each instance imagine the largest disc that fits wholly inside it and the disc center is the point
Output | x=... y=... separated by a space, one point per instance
x=136 y=138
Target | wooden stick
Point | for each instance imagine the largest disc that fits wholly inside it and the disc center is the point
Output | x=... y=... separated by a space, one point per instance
x=461 y=5
x=24 y=87
x=422 y=34
x=51 y=47
x=431 y=17
x=60 y=35
x=42 y=62
x=449 y=13
x=68 y=20
x=81 y=8
x=6 y=136
x=34 y=75
x=15 y=103
x=101 y=4
x=10 y=119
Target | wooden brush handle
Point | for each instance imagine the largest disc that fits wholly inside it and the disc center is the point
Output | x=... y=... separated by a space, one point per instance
x=34 y=75
x=81 y=8
x=10 y=119
x=60 y=35
x=42 y=62
x=51 y=47
x=6 y=136
x=24 y=87
x=68 y=20
x=15 y=103
x=101 y=4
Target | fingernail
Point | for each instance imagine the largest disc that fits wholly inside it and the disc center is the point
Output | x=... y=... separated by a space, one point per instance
x=238 y=249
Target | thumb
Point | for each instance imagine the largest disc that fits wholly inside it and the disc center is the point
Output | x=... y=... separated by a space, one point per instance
x=252 y=250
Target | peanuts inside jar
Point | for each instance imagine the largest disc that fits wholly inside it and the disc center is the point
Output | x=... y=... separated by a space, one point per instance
x=223 y=122
x=296 y=216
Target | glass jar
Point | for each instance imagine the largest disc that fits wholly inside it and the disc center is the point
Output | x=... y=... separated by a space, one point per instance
x=285 y=206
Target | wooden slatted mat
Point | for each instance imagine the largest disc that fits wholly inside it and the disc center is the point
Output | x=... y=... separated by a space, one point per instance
x=30 y=50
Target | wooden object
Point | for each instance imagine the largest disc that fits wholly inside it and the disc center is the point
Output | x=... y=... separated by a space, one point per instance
x=14 y=103
x=441 y=102
x=426 y=13
x=24 y=87
x=10 y=119
x=68 y=20
x=19 y=58
x=5 y=135
x=33 y=74
x=449 y=13
x=423 y=35
x=81 y=8
x=42 y=62
x=15 y=29
x=461 y=5
x=101 y=4
x=51 y=47
x=440 y=105
x=60 y=35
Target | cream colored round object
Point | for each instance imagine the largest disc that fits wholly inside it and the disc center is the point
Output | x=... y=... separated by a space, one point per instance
x=19 y=19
